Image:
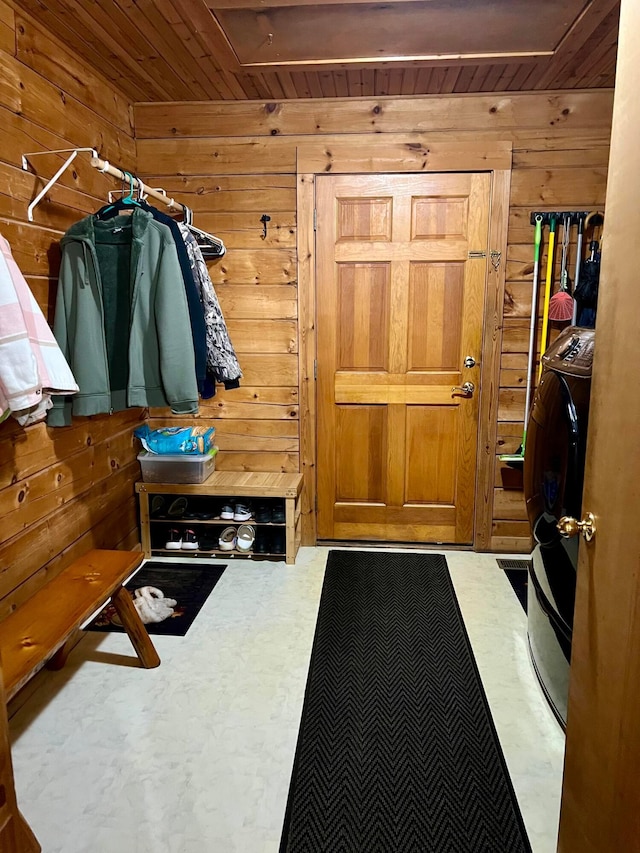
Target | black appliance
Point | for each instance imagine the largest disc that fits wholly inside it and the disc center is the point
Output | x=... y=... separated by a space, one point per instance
x=553 y=481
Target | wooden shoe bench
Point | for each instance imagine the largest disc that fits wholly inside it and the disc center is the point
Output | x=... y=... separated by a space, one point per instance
x=222 y=484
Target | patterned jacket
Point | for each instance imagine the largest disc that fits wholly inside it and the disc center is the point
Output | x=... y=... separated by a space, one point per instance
x=221 y=357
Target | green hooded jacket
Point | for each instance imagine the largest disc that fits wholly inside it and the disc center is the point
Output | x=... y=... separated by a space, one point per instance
x=122 y=319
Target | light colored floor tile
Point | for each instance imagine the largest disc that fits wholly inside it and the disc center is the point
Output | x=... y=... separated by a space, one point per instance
x=531 y=739
x=196 y=756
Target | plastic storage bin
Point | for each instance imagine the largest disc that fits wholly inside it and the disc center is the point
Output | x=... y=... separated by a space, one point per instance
x=176 y=468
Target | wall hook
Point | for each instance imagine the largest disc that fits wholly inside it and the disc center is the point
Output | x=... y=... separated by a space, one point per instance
x=264 y=219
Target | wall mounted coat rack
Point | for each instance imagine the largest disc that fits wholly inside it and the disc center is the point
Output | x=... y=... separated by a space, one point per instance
x=99 y=164
x=214 y=247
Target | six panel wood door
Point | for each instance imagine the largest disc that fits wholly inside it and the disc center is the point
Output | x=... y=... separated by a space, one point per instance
x=399 y=307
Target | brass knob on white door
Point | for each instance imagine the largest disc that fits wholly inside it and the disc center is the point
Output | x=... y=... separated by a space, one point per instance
x=569 y=526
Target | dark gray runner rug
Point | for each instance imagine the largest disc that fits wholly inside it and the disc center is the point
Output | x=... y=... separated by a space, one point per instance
x=397 y=752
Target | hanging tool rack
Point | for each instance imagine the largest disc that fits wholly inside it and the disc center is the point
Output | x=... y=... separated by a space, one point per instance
x=559 y=216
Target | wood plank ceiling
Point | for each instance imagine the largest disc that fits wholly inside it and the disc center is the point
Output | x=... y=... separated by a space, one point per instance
x=191 y=50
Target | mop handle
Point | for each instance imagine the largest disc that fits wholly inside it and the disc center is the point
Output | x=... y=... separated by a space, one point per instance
x=576 y=279
x=534 y=316
x=547 y=292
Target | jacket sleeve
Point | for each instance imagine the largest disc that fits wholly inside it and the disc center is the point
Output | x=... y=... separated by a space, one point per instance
x=60 y=413
x=196 y=316
x=175 y=340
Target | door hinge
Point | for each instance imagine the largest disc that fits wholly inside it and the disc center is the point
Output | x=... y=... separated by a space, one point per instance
x=315 y=219
x=315 y=369
x=473 y=255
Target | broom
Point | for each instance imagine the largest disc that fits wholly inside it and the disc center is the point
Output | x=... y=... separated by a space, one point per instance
x=561 y=304
x=516 y=460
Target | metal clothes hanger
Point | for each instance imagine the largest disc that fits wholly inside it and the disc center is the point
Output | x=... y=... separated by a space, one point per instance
x=210 y=246
x=113 y=195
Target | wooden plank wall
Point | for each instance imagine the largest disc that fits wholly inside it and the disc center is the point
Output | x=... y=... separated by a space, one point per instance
x=232 y=163
x=62 y=491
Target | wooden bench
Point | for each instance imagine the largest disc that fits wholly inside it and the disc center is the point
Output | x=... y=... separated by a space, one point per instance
x=15 y=833
x=38 y=633
x=40 y=628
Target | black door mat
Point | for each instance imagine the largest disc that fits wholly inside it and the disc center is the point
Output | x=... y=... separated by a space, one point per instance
x=397 y=750
x=517 y=572
x=188 y=585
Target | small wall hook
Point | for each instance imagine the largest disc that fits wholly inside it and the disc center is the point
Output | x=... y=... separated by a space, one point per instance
x=264 y=219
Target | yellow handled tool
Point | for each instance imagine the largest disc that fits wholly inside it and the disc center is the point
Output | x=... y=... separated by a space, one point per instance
x=547 y=291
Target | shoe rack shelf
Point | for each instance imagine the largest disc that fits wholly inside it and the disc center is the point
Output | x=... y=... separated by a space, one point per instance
x=225 y=484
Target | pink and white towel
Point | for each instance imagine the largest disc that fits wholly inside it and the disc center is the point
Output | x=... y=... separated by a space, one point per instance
x=32 y=366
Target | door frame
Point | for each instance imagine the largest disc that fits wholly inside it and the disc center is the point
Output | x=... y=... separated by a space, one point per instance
x=403 y=153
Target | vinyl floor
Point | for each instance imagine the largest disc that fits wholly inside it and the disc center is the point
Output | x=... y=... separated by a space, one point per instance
x=196 y=755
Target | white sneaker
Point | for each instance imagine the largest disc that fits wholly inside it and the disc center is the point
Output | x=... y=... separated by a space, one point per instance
x=227 y=512
x=246 y=537
x=241 y=512
x=174 y=542
x=190 y=541
x=228 y=539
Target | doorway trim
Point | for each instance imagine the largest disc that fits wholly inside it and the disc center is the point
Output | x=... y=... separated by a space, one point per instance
x=393 y=154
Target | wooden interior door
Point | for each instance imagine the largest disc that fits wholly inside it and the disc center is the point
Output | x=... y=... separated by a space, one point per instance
x=601 y=792
x=401 y=270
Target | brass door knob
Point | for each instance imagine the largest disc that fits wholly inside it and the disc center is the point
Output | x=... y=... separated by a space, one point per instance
x=569 y=526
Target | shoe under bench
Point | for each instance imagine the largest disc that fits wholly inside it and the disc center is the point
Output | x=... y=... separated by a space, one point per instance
x=228 y=484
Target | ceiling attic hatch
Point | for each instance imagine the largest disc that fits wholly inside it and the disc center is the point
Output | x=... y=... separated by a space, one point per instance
x=276 y=34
